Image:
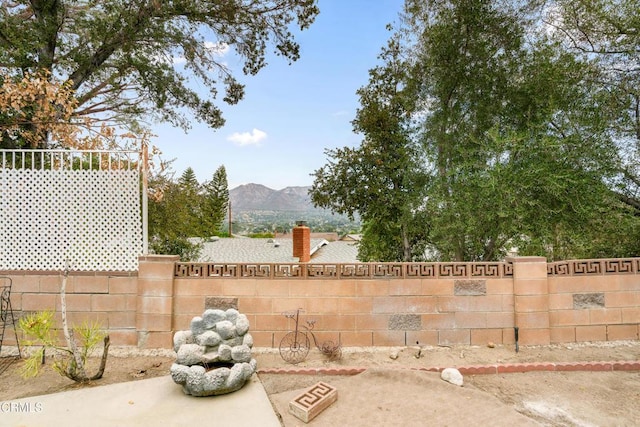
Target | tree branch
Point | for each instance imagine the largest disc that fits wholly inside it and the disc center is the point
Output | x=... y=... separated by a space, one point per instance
x=629 y=201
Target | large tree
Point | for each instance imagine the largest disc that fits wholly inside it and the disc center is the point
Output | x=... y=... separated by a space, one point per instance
x=465 y=54
x=33 y=107
x=607 y=32
x=175 y=214
x=381 y=180
x=185 y=209
x=516 y=130
x=518 y=136
x=127 y=57
x=190 y=197
x=215 y=202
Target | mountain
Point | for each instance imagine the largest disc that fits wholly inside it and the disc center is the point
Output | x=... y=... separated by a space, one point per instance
x=257 y=197
x=259 y=209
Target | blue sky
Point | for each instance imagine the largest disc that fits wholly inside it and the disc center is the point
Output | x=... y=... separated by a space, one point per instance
x=276 y=136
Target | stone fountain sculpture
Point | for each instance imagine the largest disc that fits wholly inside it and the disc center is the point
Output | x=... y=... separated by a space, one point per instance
x=214 y=356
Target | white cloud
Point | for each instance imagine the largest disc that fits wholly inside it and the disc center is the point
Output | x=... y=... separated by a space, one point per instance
x=214 y=48
x=255 y=137
x=219 y=49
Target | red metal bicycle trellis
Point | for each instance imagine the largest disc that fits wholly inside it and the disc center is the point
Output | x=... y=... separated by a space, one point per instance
x=295 y=345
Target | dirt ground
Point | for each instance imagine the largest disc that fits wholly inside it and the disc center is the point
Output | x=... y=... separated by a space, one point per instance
x=390 y=393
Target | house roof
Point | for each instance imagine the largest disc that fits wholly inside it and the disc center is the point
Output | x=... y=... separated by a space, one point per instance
x=352 y=237
x=239 y=249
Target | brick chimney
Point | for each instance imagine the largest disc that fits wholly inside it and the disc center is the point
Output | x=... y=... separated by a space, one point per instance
x=302 y=242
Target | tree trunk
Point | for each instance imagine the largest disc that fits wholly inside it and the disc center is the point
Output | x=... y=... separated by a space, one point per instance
x=406 y=246
x=68 y=335
x=103 y=361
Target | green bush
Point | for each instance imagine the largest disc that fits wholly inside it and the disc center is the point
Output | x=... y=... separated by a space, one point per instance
x=38 y=329
x=181 y=246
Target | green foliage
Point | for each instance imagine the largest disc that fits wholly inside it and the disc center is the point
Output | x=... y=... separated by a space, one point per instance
x=181 y=246
x=39 y=330
x=119 y=55
x=215 y=202
x=188 y=206
x=90 y=334
x=528 y=136
x=187 y=209
x=380 y=180
x=605 y=32
x=261 y=235
x=520 y=143
x=31 y=367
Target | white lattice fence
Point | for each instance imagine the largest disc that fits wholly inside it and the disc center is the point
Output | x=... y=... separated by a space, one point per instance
x=80 y=207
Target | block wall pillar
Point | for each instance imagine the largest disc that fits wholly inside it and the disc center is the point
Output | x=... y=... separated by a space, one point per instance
x=154 y=307
x=531 y=300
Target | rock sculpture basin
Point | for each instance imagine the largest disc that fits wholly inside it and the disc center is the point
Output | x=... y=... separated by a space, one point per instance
x=214 y=356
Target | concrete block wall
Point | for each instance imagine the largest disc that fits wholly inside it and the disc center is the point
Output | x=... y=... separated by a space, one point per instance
x=360 y=312
x=598 y=307
x=109 y=299
x=547 y=306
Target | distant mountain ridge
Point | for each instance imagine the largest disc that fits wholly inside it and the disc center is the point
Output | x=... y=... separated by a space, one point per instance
x=257 y=197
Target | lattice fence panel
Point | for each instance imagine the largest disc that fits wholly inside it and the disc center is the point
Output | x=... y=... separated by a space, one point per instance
x=91 y=218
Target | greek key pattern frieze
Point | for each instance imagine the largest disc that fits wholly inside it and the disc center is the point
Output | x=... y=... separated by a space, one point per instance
x=287 y=270
x=354 y=270
x=322 y=270
x=387 y=270
x=422 y=270
x=453 y=270
x=584 y=267
x=255 y=270
x=343 y=271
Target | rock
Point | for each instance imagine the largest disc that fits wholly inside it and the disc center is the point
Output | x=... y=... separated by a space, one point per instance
x=453 y=376
x=393 y=355
x=241 y=353
x=233 y=342
x=210 y=357
x=242 y=324
x=190 y=354
x=211 y=317
x=491 y=344
x=248 y=340
x=179 y=373
x=236 y=376
x=220 y=340
x=232 y=315
x=180 y=338
x=195 y=380
x=216 y=381
x=197 y=326
x=226 y=329
x=208 y=339
x=250 y=368
x=224 y=351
